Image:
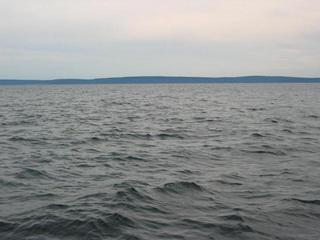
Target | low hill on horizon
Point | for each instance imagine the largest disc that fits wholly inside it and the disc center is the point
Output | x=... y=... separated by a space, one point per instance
x=165 y=80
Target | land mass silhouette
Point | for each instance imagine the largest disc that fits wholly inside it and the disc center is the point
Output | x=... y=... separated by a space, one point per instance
x=165 y=80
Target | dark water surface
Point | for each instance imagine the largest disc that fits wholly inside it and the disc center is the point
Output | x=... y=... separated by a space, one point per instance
x=160 y=162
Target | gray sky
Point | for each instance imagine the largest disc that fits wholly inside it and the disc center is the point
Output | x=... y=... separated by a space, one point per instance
x=42 y=39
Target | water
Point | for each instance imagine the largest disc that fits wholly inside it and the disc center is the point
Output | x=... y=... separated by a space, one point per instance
x=212 y=161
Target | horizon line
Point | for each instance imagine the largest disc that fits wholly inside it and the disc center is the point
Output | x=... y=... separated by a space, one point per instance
x=159 y=76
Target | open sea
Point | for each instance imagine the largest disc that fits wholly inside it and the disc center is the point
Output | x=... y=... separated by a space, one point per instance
x=186 y=161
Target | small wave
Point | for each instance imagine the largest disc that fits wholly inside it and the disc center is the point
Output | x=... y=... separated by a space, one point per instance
x=275 y=152
x=267 y=175
x=99 y=195
x=140 y=136
x=314 y=201
x=9 y=183
x=180 y=187
x=234 y=229
x=92 y=150
x=187 y=172
x=6 y=226
x=287 y=130
x=109 y=225
x=203 y=119
x=127 y=158
x=130 y=194
x=257 y=195
x=133 y=118
x=43 y=196
x=142 y=208
x=18 y=123
x=86 y=165
x=199 y=224
x=313 y=116
x=173 y=119
x=129 y=183
x=57 y=206
x=164 y=136
x=120 y=135
x=29 y=173
x=256 y=109
x=98 y=139
x=232 y=217
x=278 y=120
x=272 y=120
x=286 y=172
x=222 y=148
x=226 y=229
x=22 y=139
x=134 y=158
x=258 y=135
x=233 y=175
x=228 y=183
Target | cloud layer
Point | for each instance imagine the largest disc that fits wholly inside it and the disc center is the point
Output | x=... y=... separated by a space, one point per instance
x=94 y=38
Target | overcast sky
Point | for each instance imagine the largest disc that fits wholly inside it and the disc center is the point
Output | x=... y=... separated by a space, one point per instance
x=45 y=39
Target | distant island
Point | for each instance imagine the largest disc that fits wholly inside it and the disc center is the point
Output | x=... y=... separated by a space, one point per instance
x=164 y=80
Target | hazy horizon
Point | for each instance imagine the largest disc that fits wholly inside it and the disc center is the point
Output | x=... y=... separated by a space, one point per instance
x=92 y=39
x=163 y=76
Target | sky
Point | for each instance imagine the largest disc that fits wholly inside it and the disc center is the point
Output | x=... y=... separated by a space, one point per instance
x=45 y=39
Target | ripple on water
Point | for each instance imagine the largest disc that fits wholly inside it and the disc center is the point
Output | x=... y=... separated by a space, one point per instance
x=31 y=173
x=109 y=225
x=220 y=161
x=130 y=195
x=180 y=187
x=306 y=201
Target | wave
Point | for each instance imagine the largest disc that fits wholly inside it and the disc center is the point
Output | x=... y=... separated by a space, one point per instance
x=10 y=183
x=180 y=187
x=258 y=135
x=131 y=194
x=88 y=227
x=225 y=229
x=313 y=116
x=254 y=109
x=140 y=136
x=27 y=140
x=239 y=228
x=269 y=152
x=30 y=173
x=228 y=183
x=232 y=217
x=187 y=172
x=314 y=201
x=164 y=136
x=6 y=226
x=129 y=158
